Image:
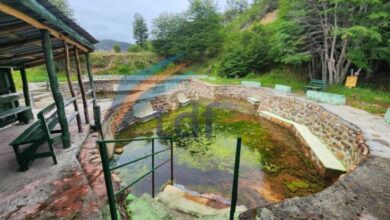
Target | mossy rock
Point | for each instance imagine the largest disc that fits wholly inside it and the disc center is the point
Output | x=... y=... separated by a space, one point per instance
x=297 y=185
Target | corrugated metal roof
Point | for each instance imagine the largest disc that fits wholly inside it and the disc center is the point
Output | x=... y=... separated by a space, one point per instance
x=72 y=24
x=20 y=43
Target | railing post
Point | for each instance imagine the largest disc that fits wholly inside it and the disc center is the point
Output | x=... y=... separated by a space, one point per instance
x=107 y=178
x=153 y=168
x=171 y=140
x=235 y=180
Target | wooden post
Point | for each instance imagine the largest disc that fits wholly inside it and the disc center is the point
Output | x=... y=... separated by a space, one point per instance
x=81 y=85
x=47 y=49
x=90 y=77
x=26 y=91
x=73 y=94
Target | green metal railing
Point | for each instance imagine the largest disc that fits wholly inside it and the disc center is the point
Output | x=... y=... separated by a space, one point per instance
x=107 y=171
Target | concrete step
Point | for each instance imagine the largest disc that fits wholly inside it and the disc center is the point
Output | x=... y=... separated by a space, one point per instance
x=176 y=203
x=193 y=205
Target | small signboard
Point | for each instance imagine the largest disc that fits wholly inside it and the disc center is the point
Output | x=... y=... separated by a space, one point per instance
x=351 y=81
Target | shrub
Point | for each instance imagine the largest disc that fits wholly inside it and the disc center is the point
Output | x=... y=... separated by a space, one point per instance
x=134 y=49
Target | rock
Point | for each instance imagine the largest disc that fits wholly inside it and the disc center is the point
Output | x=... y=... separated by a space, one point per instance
x=119 y=150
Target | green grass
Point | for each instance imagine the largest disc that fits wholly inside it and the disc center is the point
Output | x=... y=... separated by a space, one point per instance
x=37 y=74
x=282 y=76
x=368 y=99
x=122 y=63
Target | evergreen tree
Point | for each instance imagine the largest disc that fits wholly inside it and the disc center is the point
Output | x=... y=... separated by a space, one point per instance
x=140 y=30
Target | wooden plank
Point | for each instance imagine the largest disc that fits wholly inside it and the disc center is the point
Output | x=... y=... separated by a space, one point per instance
x=13 y=111
x=33 y=5
x=81 y=85
x=55 y=88
x=72 y=92
x=7 y=98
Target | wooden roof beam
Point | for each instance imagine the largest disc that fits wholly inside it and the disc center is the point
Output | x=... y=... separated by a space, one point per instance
x=14 y=27
x=19 y=43
x=35 y=23
x=42 y=61
x=33 y=55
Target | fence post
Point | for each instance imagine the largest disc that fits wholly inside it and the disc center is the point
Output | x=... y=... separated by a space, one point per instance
x=171 y=140
x=235 y=180
x=153 y=168
x=107 y=178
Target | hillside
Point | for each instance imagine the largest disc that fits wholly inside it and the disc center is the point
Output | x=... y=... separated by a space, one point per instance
x=258 y=47
x=107 y=45
x=122 y=63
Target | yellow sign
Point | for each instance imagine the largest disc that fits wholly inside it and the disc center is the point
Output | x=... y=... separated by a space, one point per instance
x=351 y=81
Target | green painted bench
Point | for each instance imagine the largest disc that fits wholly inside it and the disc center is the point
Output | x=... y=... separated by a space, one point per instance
x=23 y=113
x=27 y=143
x=387 y=116
x=315 y=84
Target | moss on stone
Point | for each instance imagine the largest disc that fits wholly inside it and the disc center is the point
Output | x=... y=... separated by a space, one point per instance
x=297 y=185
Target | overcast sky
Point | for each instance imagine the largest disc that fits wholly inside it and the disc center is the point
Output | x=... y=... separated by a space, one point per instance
x=112 y=19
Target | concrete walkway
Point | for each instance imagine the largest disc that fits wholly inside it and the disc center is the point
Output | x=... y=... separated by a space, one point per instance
x=46 y=190
x=362 y=194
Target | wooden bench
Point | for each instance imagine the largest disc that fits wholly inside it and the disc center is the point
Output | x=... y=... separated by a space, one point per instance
x=315 y=84
x=23 y=113
x=27 y=143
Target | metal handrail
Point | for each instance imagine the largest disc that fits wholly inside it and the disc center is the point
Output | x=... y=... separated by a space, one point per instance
x=107 y=169
x=139 y=159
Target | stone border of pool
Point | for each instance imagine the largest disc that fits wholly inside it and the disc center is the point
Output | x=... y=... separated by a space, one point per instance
x=327 y=163
x=360 y=193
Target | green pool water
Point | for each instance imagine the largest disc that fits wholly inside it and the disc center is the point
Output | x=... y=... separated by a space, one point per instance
x=273 y=166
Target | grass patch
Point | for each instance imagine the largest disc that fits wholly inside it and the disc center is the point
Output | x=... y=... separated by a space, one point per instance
x=37 y=74
x=108 y=63
x=282 y=76
x=368 y=99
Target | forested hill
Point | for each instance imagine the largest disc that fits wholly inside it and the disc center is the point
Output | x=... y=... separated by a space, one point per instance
x=325 y=39
x=107 y=45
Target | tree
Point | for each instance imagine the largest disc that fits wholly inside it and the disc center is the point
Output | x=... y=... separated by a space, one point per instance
x=340 y=35
x=140 y=30
x=117 y=48
x=63 y=6
x=195 y=35
x=168 y=35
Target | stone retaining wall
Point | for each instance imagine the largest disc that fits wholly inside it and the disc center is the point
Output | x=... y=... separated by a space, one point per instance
x=344 y=139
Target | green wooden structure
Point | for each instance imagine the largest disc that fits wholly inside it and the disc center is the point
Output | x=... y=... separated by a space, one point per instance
x=33 y=33
x=10 y=110
x=315 y=84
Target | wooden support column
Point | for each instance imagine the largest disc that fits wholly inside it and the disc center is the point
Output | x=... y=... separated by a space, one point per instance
x=47 y=49
x=81 y=85
x=26 y=91
x=73 y=94
x=90 y=77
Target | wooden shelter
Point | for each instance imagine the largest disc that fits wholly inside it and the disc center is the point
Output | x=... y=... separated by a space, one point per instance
x=32 y=33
